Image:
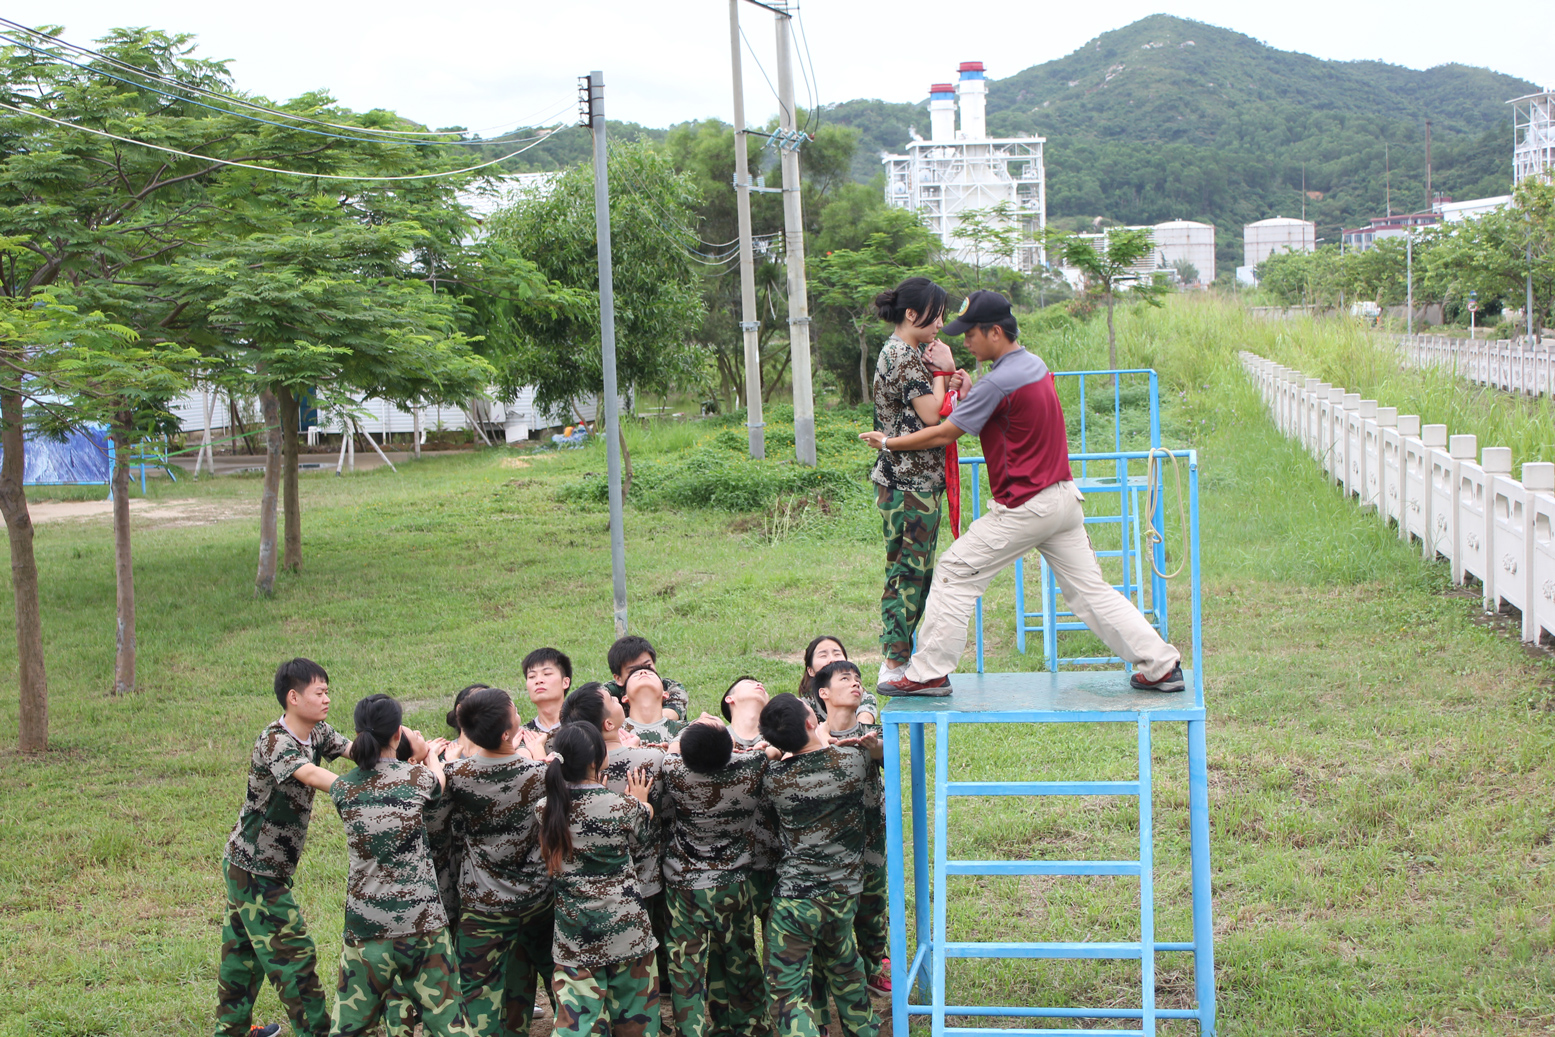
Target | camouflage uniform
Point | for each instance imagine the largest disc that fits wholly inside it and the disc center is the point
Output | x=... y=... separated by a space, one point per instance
x=908 y=488
x=649 y=862
x=819 y=799
x=714 y=970
x=871 y=926
x=764 y=848
x=263 y=932
x=504 y=933
x=396 y=933
x=660 y=732
x=603 y=944
x=675 y=696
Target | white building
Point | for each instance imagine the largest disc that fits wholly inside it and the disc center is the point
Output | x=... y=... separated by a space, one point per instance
x=956 y=171
x=1453 y=212
x=1178 y=240
x=1533 y=136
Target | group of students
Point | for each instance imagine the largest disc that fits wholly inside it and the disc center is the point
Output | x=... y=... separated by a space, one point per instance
x=607 y=846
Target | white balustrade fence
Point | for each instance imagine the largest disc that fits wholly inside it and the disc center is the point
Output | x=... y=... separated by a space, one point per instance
x=1472 y=512
x=1519 y=366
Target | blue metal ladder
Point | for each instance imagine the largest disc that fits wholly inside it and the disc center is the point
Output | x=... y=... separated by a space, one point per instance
x=919 y=985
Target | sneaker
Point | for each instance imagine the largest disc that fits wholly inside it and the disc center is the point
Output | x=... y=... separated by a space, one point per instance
x=937 y=687
x=538 y=1013
x=889 y=672
x=880 y=984
x=264 y=1031
x=1171 y=682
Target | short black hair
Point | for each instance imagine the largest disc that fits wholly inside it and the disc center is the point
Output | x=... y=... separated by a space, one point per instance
x=296 y=675
x=1009 y=325
x=555 y=656
x=626 y=649
x=706 y=747
x=723 y=701
x=585 y=705
x=453 y=714
x=823 y=676
x=783 y=723
x=484 y=716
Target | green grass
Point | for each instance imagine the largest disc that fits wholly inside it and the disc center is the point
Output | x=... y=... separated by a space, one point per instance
x=1380 y=789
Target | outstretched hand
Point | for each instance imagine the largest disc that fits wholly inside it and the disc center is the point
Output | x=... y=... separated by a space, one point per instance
x=875 y=439
x=533 y=743
x=638 y=783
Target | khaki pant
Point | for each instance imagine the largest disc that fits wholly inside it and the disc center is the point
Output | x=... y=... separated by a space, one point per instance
x=1054 y=523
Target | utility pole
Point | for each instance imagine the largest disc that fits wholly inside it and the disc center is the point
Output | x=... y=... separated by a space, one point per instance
x=1409 y=279
x=1528 y=304
x=1430 y=199
x=750 y=327
x=607 y=340
x=793 y=234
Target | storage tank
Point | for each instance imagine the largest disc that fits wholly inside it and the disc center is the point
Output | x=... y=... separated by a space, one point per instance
x=1266 y=237
x=1185 y=239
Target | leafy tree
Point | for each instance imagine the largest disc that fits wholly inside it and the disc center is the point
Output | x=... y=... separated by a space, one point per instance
x=1496 y=253
x=991 y=232
x=1108 y=267
x=1187 y=273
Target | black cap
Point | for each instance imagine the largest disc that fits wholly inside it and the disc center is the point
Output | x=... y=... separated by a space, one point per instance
x=981 y=307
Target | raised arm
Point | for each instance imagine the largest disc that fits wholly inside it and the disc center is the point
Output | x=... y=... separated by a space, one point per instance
x=315 y=777
x=938 y=435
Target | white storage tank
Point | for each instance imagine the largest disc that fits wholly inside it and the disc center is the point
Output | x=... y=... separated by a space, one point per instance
x=1184 y=239
x=1266 y=237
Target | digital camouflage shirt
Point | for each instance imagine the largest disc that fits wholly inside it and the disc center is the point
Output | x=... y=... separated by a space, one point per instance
x=874 y=800
x=675 y=696
x=819 y=801
x=391 y=887
x=710 y=839
x=764 y=847
x=662 y=732
x=620 y=763
x=600 y=916
x=273 y=821
x=901 y=376
x=492 y=801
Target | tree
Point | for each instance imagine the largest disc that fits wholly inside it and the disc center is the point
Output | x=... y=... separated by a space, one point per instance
x=1498 y=253
x=1108 y=266
x=1187 y=273
x=992 y=233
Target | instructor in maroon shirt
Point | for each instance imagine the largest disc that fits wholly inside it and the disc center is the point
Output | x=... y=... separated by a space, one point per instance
x=1013 y=409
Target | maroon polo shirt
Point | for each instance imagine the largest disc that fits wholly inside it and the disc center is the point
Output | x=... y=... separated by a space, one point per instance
x=1014 y=410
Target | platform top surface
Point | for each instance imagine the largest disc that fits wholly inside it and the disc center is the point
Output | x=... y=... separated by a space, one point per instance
x=1069 y=691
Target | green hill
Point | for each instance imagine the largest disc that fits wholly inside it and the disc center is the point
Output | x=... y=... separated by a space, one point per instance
x=1174 y=119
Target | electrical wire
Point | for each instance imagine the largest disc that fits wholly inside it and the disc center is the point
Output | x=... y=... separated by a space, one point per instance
x=273 y=169
x=762 y=69
x=815 y=94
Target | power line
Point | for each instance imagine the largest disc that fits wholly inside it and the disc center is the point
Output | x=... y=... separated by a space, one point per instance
x=272 y=169
x=815 y=90
x=761 y=68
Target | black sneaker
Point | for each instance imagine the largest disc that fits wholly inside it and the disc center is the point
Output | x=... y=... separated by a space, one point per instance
x=1171 y=682
x=264 y=1031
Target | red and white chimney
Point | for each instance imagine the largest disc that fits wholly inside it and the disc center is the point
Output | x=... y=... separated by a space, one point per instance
x=973 y=93
x=942 y=112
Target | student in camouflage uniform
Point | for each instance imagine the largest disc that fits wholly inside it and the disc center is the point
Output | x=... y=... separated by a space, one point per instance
x=263 y=932
x=741 y=706
x=606 y=976
x=818 y=653
x=912 y=375
x=504 y=932
x=818 y=796
x=644 y=702
x=715 y=796
x=630 y=652
x=396 y=933
x=547 y=679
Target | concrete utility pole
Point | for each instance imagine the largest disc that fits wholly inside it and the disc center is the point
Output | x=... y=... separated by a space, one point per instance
x=607 y=341
x=750 y=327
x=1409 y=279
x=793 y=234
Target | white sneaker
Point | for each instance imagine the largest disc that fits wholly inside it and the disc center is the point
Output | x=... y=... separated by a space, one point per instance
x=889 y=672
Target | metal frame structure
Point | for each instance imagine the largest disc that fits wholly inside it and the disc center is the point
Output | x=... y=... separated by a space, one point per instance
x=942 y=179
x=919 y=973
x=1533 y=136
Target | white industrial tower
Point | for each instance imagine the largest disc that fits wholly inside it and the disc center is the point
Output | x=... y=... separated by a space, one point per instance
x=952 y=172
x=1533 y=136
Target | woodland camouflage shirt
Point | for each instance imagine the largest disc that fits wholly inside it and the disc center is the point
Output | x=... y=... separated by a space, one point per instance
x=273 y=821
x=764 y=847
x=874 y=799
x=391 y=889
x=600 y=916
x=620 y=763
x=492 y=801
x=675 y=696
x=709 y=841
x=901 y=376
x=818 y=797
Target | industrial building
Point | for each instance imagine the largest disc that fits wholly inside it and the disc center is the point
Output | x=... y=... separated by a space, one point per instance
x=1533 y=136
x=1380 y=228
x=958 y=170
x=1173 y=242
x=1264 y=238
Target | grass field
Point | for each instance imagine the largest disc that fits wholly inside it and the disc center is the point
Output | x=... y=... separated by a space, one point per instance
x=1382 y=784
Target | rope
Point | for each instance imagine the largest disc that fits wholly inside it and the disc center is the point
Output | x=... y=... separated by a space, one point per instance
x=1154 y=536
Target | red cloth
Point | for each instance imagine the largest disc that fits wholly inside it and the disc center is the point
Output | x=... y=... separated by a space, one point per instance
x=952 y=465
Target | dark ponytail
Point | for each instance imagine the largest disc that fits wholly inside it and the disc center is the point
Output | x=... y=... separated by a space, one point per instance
x=377 y=719
x=581 y=748
x=483 y=716
x=915 y=293
x=453 y=714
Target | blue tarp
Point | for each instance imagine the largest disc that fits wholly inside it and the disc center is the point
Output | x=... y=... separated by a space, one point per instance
x=81 y=457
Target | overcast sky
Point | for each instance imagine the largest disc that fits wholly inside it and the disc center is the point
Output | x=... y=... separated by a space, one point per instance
x=494 y=66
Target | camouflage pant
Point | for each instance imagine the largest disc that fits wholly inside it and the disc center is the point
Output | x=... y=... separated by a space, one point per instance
x=499 y=958
x=263 y=935
x=714 y=969
x=817 y=932
x=910 y=523
x=871 y=926
x=659 y=920
x=621 y=998
x=402 y=968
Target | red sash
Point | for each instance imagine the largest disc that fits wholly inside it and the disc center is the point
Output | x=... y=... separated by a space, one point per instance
x=952 y=465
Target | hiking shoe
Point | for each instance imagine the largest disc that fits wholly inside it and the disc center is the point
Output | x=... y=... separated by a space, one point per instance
x=1171 y=682
x=937 y=687
x=881 y=983
x=889 y=672
x=264 y=1031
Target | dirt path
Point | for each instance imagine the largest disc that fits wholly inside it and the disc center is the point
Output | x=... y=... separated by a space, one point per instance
x=183 y=512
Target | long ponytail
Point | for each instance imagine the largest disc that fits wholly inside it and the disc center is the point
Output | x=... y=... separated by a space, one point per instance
x=577 y=749
x=377 y=719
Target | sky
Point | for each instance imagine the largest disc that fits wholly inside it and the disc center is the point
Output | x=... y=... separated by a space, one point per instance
x=491 y=67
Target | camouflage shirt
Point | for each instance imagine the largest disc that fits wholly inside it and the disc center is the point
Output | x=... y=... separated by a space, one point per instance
x=533 y=724
x=901 y=376
x=764 y=848
x=391 y=888
x=600 y=916
x=621 y=763
x=493 y=804
x=273 y=821
x=874 y=800
x=709 y=841
x=819 y=800
x=446 y=842
x=662 y=732
x=675 y=696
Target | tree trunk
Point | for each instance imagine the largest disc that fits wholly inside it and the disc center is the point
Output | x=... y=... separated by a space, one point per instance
x=123 y=561
x=291 y=503
x=264 y=582
x=33 y=736
x=626 y=463
x=866 y=389
x=1112 y=337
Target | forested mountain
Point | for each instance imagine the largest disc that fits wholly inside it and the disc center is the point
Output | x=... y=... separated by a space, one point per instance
x=1174 y=119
